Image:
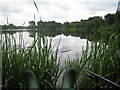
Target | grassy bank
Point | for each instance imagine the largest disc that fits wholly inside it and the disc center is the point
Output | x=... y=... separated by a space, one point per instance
x=18 y=58
x=99 y=58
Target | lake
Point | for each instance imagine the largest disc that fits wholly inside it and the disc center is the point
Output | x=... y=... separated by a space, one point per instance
x=70 y=46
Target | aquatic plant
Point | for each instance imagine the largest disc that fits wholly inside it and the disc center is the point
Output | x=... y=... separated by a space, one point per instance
x=18 y=58
x=100 y=58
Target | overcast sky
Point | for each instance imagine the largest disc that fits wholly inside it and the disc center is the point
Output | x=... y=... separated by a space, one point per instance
x=20 y=11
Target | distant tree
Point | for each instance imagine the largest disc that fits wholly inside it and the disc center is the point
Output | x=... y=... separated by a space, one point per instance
x=10 y=26
x=51 y=25
x=109 y=18
x=66 y=24
x=97 y=21
x=5 y=27
x=40 y=24
x=75 y=24
x=31 y=24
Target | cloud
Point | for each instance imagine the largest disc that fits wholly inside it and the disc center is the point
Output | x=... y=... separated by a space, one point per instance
x=19 y=11
x=8 y=9
x=69 y=43
x=94 y=7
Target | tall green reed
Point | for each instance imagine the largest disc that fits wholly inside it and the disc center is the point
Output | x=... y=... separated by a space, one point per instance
x=0 y=57
x=100 y=58
x=38 y=57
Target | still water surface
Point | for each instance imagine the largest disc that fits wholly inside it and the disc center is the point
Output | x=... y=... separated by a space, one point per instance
x=70 y=46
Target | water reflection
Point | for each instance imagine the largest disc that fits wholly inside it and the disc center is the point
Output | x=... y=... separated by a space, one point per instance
x=27 y=40
x=69 y=45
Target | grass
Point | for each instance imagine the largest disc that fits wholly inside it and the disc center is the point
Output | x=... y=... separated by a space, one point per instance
x=101 y=59
x=41 y=60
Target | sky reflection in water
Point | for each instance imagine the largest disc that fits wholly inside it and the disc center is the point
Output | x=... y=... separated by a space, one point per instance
x=69 y=45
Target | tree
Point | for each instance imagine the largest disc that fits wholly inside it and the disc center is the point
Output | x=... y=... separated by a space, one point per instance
x=109 y=18
x=31 y=24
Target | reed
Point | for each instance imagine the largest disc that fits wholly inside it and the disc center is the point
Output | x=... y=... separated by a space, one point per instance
x=38 y=57
x=100 y=58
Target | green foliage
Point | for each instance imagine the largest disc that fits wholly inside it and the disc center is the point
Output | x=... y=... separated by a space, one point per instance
x=96 y=24
x=104 y=27
x=51 y=25
x=109 y=18
x=99 y=58
x=32 y=24
x=40 y=59
x=10 y=26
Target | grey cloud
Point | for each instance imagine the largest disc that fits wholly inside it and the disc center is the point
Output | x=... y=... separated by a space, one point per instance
x=94 y=7
x=57 y=5
x=43 y=3
x=39 y=3
x=57 y=17
x=9 y=9
x=63 y=7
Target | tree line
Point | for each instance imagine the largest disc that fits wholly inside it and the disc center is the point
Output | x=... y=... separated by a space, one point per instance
x=93 y=24
x=105 y=26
